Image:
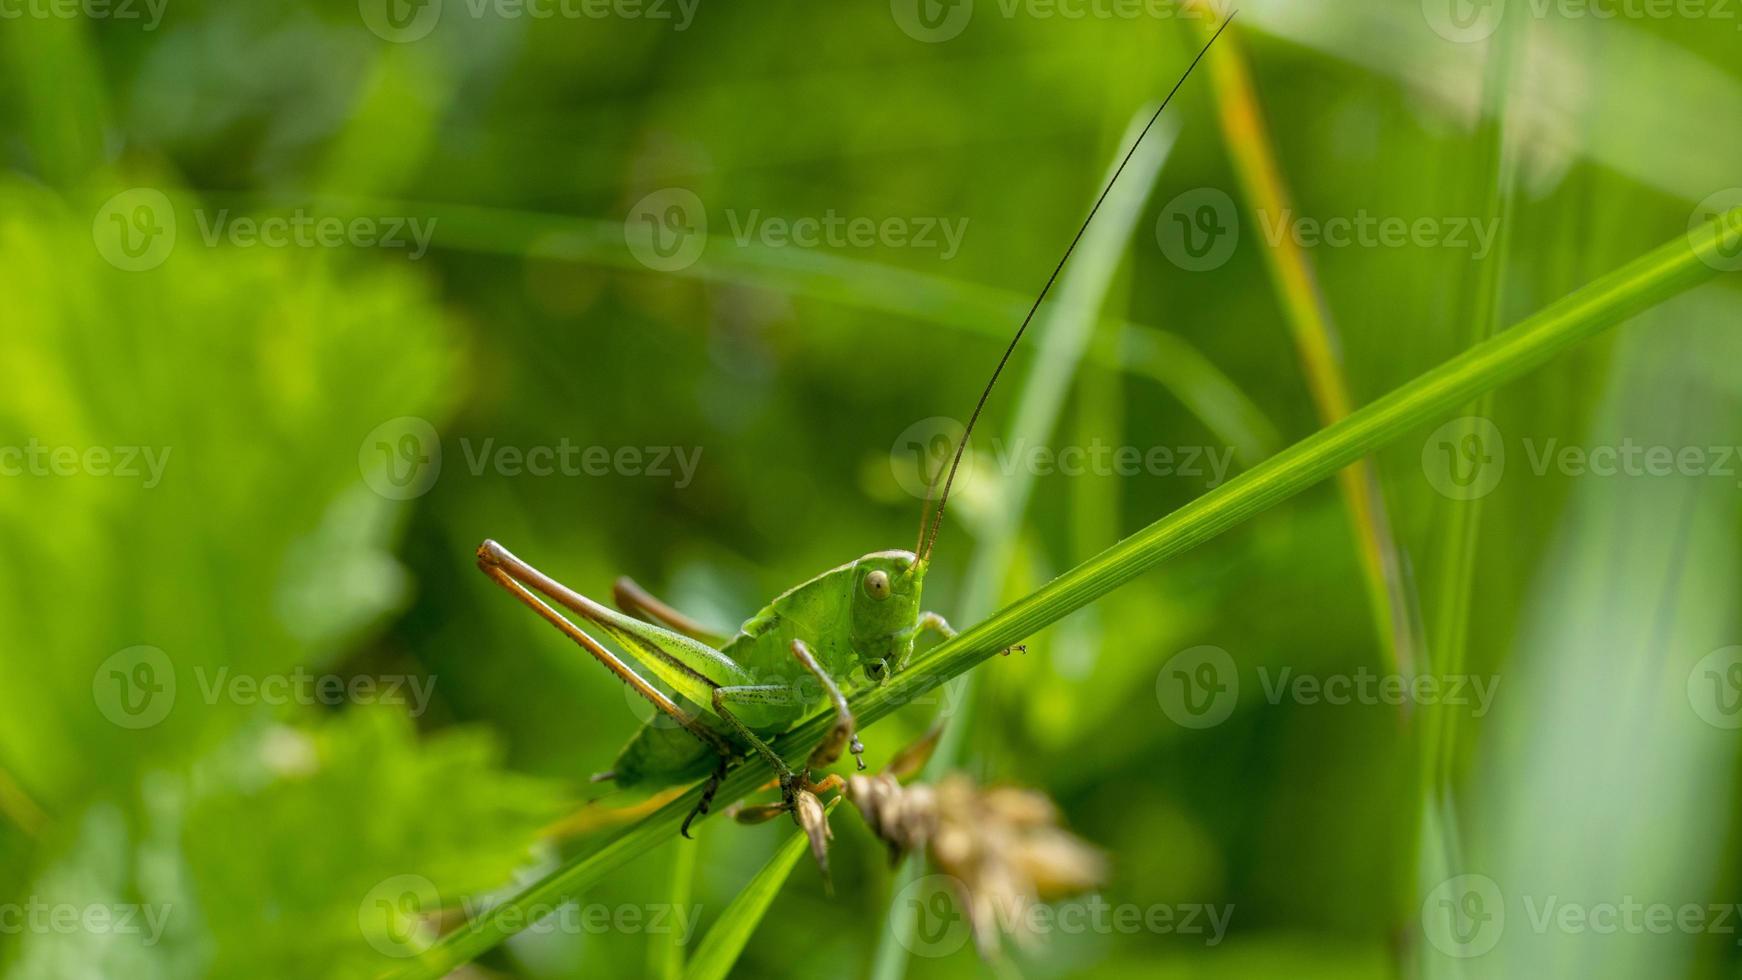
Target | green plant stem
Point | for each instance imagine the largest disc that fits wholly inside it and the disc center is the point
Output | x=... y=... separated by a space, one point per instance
x=1636 y=287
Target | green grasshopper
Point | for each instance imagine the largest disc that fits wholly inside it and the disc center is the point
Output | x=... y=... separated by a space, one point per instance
x=731 y=695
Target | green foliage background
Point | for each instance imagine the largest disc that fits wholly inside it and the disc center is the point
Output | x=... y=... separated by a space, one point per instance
x=266 y=829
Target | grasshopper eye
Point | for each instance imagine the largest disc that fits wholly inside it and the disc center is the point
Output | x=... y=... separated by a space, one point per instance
x=877 y=584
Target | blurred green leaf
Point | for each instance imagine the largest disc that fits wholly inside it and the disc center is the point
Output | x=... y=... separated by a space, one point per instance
x=720 y=948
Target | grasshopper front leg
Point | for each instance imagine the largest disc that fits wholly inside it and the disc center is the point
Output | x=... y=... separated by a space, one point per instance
x=846 y=728
x=941 y=626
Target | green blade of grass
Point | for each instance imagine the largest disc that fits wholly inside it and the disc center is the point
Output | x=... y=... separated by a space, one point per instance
x=725 y=942
x=1439 y=838
x=1462 y=519
x=665 y=954
x=1637 y=286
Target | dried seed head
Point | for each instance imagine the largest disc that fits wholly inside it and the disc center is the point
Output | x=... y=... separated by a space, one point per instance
x=1002 y=845
x=808 y=812
x=902 y=817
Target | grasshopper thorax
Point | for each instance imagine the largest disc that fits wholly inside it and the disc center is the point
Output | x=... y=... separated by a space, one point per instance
x=886 y=594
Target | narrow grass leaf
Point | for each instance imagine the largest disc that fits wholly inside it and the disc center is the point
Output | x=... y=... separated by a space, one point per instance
x=725 y=942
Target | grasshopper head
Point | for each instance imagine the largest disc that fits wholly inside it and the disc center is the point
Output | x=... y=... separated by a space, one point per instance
x=886 y=588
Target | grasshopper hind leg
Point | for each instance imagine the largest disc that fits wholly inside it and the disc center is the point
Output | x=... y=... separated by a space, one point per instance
x=709 y=788
x=531 y=587
x=636 y=601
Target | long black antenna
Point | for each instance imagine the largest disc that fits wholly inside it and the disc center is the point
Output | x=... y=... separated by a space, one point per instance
x=931 y=521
